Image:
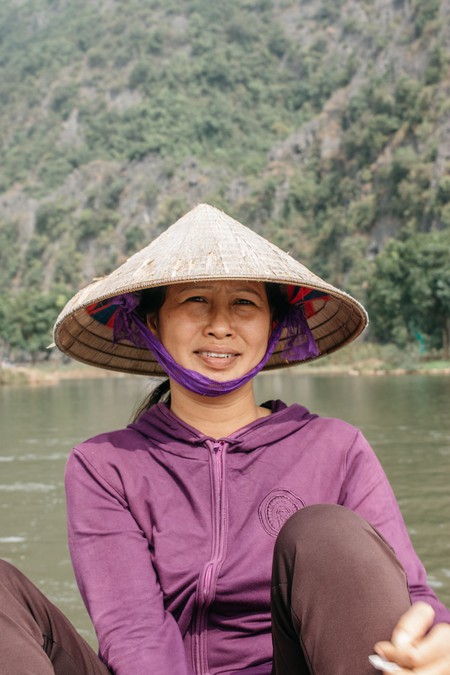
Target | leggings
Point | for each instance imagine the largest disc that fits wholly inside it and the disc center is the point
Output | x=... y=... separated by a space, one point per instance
x=337 y=588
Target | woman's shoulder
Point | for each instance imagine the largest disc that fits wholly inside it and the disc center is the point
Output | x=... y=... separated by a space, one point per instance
x=133 y=437
x=305 y=418
x=105 y=451
x=117 y=439
x=298 y=427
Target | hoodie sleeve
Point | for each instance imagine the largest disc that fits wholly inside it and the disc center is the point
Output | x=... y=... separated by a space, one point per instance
x=367 y=491
x=117 y=581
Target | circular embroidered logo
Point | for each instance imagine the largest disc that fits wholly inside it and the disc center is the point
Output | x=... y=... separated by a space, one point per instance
x=276 y=508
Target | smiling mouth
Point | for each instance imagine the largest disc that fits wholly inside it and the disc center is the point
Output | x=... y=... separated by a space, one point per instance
x=216 y=355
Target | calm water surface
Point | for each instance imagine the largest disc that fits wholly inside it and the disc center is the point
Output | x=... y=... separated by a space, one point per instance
x=405 y=418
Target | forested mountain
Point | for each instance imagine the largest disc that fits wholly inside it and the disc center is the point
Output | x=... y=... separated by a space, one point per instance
x=322 y=124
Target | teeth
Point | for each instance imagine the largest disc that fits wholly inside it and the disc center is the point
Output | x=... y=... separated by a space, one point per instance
x=218 y=356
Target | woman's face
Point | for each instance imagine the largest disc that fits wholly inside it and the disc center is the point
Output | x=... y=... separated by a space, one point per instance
x=217 y=328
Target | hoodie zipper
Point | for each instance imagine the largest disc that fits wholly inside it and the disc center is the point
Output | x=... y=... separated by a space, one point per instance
x=208 y=577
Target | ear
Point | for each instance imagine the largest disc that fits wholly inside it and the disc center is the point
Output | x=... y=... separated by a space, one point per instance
x=152 y=322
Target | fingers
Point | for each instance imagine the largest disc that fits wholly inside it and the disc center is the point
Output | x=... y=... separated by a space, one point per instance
x=413 y=624
x=436 y=645
x=409 y=631
x=434 y=648
x=440 y=667
x=415 y=650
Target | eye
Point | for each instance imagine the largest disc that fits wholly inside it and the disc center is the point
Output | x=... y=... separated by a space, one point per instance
x=244 y=301
x=195 y=298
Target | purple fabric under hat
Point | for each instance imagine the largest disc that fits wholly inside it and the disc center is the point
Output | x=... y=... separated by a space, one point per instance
x=120 y=313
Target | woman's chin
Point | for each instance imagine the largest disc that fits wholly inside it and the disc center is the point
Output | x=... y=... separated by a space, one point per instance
x=219 y=370
x=220 y=375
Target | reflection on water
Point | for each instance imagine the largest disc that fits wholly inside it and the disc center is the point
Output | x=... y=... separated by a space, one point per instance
x=405 y=418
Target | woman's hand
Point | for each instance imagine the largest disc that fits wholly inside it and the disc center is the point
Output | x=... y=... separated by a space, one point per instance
x=415 y=650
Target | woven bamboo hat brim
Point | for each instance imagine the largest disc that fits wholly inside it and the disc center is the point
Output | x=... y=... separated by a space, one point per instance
x=205 y=244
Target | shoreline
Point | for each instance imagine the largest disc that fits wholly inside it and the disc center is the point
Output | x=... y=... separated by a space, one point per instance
x=52 y=375
x=44 y=375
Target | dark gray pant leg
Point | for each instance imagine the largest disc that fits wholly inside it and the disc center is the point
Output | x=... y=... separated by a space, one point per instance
x=337 y=588
x=35 y=637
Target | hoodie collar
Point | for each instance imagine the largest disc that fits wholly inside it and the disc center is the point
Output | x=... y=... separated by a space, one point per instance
x=166 y=430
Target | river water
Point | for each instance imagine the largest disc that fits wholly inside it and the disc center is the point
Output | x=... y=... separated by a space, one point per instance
x=406 y=418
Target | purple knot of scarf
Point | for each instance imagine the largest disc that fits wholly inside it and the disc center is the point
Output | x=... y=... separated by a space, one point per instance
x=300 y=346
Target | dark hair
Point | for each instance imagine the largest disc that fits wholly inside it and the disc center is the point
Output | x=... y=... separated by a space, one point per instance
x=152 y=299
x=278 y=300
x=160 y=394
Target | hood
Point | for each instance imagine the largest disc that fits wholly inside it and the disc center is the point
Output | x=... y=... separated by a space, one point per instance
x=160 y=426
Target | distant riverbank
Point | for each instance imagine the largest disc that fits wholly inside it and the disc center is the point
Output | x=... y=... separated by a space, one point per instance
x=358 y=359
x=50 y=374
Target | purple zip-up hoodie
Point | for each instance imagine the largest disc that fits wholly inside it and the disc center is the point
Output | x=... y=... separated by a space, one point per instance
x=171 y=532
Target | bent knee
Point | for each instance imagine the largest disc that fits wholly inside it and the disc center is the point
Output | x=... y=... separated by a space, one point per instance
x=6 y=569
x=8 y=572
x=323 y=517
x=329 y=524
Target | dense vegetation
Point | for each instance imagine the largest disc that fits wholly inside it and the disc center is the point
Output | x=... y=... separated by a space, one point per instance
x=321 y=124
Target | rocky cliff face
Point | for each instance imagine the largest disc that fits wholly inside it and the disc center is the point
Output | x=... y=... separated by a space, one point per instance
x=324 y=125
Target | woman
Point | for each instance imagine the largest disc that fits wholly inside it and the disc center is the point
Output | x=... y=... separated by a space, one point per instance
x=173 y=521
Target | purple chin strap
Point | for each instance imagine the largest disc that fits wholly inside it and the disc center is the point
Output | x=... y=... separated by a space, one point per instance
x=128 y=325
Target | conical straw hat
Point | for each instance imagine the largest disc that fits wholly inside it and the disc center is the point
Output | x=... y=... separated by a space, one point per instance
x=205 y=244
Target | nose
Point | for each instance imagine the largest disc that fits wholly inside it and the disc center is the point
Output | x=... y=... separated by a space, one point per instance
x=220 y=323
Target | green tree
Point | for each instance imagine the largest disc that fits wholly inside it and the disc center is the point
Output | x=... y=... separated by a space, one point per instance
x=409 y=292
x=26 y=320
